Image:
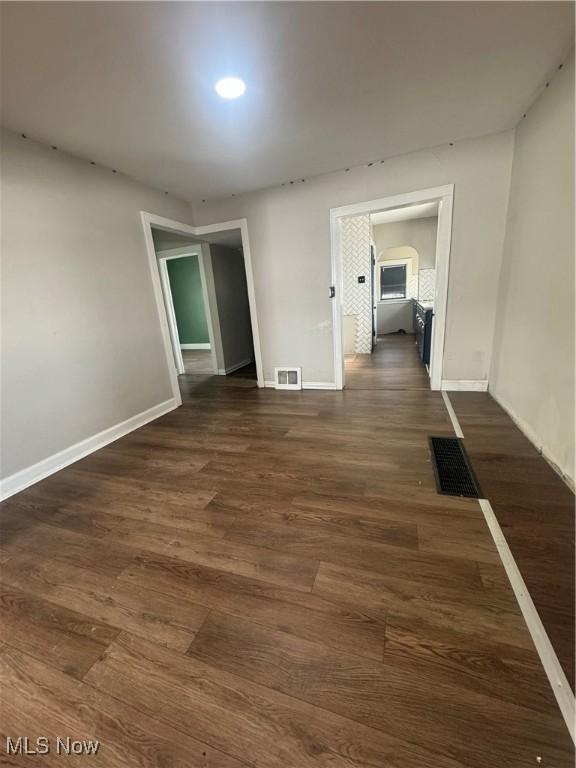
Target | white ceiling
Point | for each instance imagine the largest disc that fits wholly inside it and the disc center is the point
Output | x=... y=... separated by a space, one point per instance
x=329 y=85
x=420 y=211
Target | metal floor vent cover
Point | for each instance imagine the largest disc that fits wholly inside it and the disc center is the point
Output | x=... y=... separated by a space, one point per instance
x=454 y=474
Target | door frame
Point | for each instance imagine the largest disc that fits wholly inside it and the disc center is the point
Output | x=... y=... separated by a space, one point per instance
x=183 y=253
x=373 y=295
x=444 y=195
x=148 y=220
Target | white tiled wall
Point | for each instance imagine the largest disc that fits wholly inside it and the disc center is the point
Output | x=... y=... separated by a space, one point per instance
x=426 y=284
x=356 y=262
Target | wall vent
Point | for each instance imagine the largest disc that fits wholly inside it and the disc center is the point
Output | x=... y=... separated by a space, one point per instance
x=288 y=378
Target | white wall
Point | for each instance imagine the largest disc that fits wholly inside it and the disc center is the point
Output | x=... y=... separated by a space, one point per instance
x=233 y=308
x=395 y=315
x=417 y=233
x=81 y=343
x=533 y=365
x=165 y=241
x=289 y=231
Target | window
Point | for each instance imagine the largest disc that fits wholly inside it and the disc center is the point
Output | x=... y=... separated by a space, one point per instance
x=393 y=282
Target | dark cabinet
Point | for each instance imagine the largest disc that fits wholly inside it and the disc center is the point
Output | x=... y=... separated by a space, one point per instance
x=423 y=327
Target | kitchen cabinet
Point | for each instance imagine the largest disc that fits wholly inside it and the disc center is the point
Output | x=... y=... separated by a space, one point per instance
x=423 y=314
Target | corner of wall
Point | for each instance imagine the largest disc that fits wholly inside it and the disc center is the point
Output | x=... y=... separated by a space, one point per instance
x=501 y=287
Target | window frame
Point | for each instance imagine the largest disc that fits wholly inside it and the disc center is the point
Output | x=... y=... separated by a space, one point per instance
x=393 y=266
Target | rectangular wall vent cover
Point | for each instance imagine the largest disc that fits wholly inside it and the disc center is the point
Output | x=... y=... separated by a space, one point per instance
x=454 y=473
x=288 y=378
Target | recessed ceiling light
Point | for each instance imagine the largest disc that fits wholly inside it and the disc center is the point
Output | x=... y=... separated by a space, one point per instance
x=230 y=87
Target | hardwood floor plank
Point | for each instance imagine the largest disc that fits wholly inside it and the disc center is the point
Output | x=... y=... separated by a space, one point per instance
x=172 y=441
x=454 y=605
x=227 y=475
x=56 y=508
x=427 y=509
x=356 y=552
x=134 y=531
x=506 y=671
x=91 y=545
x=231 y=512
x=452 y=721
x=83 y=485
x=303 y=613
x=240 y=717
x=471 y=540
x=64 y=638
x=118 y=604
x=142 y=463
x=68 y=546
x=39 y=701
x=244 y=559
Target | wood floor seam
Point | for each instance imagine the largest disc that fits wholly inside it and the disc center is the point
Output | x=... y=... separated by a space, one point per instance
x=315 y=707
x=161 y=723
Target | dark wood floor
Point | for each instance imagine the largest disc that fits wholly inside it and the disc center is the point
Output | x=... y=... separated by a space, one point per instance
x=394 y=364
x=535 y=509
x=268 y=579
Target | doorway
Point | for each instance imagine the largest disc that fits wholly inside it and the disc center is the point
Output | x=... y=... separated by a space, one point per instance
x=227 y=288
x=400 y=296
x=186 y=301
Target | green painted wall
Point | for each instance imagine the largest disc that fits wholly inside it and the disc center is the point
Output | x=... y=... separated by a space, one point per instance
x=186 y=287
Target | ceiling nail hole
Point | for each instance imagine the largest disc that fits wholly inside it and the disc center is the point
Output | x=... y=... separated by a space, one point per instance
x=23 y=135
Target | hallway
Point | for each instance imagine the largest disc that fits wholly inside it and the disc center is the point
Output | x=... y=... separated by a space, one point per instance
x=270 y=578
x=394 y=364
x=197 y=361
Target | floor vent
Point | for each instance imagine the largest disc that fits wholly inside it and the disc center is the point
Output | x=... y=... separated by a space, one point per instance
x=454 y=474
x=288 y=378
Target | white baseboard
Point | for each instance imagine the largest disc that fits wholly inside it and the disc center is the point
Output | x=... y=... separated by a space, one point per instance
x=464 y=385
x=235 y=367
x=307 y=385
x=529 y=433
x=25 y=477
x=318 y=385
x=196 y=346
